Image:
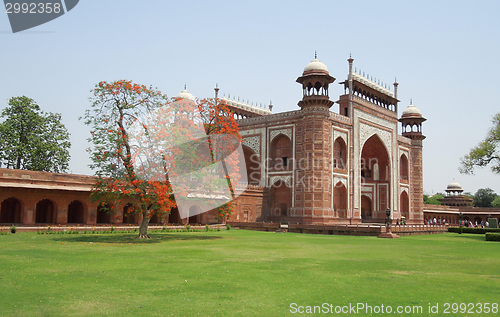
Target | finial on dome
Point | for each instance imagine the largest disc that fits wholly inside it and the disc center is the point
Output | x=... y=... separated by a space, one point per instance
x=216 y=90
x=315 y=55
x=411 y=101
x=185 y=87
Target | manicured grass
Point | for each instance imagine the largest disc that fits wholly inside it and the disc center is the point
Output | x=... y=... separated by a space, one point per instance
x=240 y=273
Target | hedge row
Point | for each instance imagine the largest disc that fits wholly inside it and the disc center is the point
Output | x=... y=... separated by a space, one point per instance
x=473 y=230
x=493 y=237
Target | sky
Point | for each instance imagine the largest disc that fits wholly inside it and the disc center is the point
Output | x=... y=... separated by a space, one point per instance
x=444 y=55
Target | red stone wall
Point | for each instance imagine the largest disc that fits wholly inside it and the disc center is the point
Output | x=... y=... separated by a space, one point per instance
x=416 y=183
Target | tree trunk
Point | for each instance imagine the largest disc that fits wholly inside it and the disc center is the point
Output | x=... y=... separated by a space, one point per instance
x=143 y=229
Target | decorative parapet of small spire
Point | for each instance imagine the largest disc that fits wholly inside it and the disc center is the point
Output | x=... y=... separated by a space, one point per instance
x=372 y=84
x=246 y=106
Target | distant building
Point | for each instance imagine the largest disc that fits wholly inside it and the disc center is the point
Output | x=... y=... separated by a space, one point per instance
x=455 y=204
x=454 y=196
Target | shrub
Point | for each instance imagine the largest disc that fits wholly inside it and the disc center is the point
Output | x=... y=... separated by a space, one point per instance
x=473 y=230
x=13 y=229
x=188 y=227
x=207 y=228
x=228 y=226
x=493 y=236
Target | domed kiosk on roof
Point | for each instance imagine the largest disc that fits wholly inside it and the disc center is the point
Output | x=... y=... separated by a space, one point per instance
x=411 y=123
x=315 y=66
x=411 y=111
x=185 y=95
x=315 y=81
x=454 y=196
x=454 y=187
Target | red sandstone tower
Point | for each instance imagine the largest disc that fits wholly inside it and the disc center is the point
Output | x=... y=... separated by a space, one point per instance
x=411 y=121
x=313 y=185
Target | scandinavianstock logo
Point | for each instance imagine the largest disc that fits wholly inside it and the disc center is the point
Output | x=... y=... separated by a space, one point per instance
x=26 y=14
x=205 y=171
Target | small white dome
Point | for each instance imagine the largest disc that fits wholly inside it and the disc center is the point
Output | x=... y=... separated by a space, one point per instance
x=185 y=95
x=412 y=111
x=454 y=186
x=315 y=64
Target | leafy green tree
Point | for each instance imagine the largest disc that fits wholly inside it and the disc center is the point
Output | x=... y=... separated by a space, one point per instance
x=468 y=195
x=484 y=197
x=31 y=139
x=496 y=203
x=433 y=200
x=486 y=152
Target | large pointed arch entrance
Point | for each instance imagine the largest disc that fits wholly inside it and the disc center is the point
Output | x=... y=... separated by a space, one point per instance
x=375 y=179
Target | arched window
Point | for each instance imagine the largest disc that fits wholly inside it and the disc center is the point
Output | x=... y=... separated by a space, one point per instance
x=340 y=200
x=10 y=211
x=174 y=216
x=403 y=168
x=366 y=207
x=128 y=214
x=194 y=214
x=404 y=205
x=76 y=212
x=281 y=152
x=281 y=199
x=45 y=211
x=340 y=154
x=103 y=213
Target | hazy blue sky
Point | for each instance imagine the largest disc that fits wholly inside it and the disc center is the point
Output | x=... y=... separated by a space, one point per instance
x=444 y=54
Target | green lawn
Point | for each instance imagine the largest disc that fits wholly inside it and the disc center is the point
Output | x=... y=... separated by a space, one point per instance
x=241 y=273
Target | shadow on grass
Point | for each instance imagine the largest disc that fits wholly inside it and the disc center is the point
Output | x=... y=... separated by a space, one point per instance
x=130 y=238
x=479 y=237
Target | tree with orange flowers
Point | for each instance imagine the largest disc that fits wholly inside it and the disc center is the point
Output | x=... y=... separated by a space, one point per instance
x=219 y=120
x=133 y=128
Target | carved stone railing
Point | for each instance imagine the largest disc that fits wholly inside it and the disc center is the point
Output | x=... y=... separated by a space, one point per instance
x=340 y=118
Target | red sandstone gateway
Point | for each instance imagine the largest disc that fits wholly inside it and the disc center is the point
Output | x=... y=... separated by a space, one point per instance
x=308 y=165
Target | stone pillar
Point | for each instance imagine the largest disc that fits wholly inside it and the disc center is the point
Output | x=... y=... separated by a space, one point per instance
x=92 y=214
x=417 y=183
x=29 y=213
x=61 y=213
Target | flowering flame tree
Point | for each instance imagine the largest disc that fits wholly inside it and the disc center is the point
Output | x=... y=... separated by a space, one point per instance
x=133 y=130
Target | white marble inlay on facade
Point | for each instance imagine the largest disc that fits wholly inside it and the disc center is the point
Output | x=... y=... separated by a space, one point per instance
x=287 y=132
x=285 y=179
x=253 y=142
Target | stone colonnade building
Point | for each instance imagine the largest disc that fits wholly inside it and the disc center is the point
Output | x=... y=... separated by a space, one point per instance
x=32 y=197
x=456 y=203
